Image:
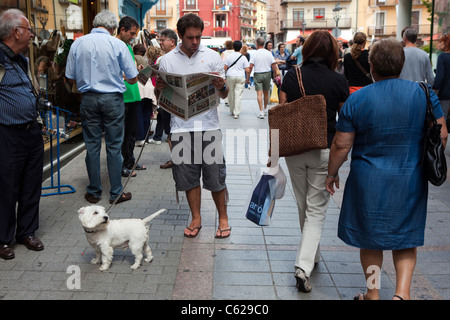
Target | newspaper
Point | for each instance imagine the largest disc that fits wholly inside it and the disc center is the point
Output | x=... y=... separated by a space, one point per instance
x=185 y=96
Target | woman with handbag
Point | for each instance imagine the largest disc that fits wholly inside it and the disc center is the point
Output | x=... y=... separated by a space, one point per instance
x=356 y=64
x=384 y=205
x=308 y=169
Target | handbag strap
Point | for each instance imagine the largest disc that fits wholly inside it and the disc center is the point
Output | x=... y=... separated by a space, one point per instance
x=300 y=82
x=429 y=116
x=367 y=74
x=233 y=63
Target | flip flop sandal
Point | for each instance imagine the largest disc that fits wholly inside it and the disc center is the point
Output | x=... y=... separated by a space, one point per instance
x=140 y=167
x=221 y=231
x=126 y=173
x=192 y=230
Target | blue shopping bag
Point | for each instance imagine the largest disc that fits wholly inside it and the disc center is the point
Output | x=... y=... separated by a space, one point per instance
x=269 y=185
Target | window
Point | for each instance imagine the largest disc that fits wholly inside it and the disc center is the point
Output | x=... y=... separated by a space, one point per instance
x=220 y=3
x=161 y=7
x=379 y=28
x=319 y=13
x=298 y=18
x=191 y=4
x=160 y=24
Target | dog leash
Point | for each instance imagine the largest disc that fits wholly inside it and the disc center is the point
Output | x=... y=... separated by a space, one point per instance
x=132 y=169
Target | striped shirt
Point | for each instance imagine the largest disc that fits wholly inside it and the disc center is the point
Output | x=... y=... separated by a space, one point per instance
x=17 y=98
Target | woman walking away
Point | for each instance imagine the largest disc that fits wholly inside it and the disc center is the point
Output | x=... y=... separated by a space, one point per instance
x=308 y=170
x=356 y=64
x=385 y=197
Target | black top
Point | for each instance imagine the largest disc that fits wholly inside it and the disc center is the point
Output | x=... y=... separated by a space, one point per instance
x=318 y=78
x=355 y=77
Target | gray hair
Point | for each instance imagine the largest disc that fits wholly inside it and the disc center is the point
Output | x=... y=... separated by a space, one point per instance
x=169 y=33
x=106 y=19
x=9 y=19
x=259 y=42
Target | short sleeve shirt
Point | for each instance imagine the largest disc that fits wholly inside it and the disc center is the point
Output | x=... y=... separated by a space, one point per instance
x=203 y=60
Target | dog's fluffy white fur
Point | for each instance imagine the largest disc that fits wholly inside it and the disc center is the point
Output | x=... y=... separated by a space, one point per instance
x=104 y=234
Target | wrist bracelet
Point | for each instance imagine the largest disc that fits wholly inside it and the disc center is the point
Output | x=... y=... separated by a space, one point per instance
x=224 y=88
x=336 y=175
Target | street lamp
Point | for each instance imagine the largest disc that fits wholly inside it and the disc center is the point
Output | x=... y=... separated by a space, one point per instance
x=336 y=9
x=336 y=32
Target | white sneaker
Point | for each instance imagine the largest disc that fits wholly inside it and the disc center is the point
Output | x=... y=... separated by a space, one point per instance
x=261 y=115
x=151 y=141
x=139 y=143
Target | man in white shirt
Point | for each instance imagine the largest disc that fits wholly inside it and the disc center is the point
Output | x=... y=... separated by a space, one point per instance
x=263 y=63
x=417 y=66
x=237 y=70
x=190 y=56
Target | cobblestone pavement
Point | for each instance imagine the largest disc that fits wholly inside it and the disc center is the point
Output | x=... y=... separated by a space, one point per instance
x=253 y=263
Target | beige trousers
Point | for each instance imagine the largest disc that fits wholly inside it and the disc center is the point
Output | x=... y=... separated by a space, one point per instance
x=308 y=172
x=236 y=88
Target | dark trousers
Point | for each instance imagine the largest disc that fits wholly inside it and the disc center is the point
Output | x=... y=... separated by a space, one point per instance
x=21 y=163
x=162 y=124
x=143 y=115
x=129 y=139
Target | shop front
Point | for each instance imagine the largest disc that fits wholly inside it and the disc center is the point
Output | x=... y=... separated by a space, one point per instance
x=57 y=24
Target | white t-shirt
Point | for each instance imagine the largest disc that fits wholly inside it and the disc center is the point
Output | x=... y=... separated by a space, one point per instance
x=204 y=60
x=262 y=60
x=238 y=69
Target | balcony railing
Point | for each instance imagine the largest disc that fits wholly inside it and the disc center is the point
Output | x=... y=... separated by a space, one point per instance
x=381 y=3
x=315 y=24
x=167 y=12
x=391 y=30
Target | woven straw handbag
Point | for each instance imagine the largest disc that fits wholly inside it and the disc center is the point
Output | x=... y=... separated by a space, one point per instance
x=302 y=124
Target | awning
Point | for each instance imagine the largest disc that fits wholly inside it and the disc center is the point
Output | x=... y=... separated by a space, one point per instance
x=214 y=42
x=436 y=37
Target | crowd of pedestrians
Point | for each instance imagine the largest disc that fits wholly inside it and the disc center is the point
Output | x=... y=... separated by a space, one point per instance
x=375 y=109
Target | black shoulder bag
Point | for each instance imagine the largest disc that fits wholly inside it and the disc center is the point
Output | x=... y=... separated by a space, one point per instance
x=434 y=163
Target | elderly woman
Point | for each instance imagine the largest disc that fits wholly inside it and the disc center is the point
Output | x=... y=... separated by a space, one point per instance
x=308 y=170
x=385 y=198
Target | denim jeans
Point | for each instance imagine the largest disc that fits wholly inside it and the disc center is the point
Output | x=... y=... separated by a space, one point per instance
x=103 y=112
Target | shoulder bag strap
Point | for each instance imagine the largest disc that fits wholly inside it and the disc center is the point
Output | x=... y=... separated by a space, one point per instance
x=233 y=63
x=300 y=82
x=367 y=74
x=429 y=118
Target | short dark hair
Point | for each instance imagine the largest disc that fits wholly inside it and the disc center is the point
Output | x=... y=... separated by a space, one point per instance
x=189 y=20
x=237 y=45
x=139 y=49
x=127 y=22
x=170 y=34
x=411 y=35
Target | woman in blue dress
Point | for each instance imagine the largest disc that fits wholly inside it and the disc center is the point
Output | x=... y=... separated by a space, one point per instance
x=385 y=197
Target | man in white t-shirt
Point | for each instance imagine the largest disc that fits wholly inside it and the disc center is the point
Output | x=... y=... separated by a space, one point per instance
x=194 y=140
x=263 y=63
x=237 y=70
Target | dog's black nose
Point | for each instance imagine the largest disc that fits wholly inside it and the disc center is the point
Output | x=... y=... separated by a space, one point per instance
x=105 y=218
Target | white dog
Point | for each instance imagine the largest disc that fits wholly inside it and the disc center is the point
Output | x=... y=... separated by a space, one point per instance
x=104 y=234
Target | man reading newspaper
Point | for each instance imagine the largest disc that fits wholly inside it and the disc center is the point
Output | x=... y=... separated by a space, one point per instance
x=197 y=142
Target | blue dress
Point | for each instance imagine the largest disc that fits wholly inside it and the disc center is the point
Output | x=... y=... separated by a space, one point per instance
x=385 y=197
